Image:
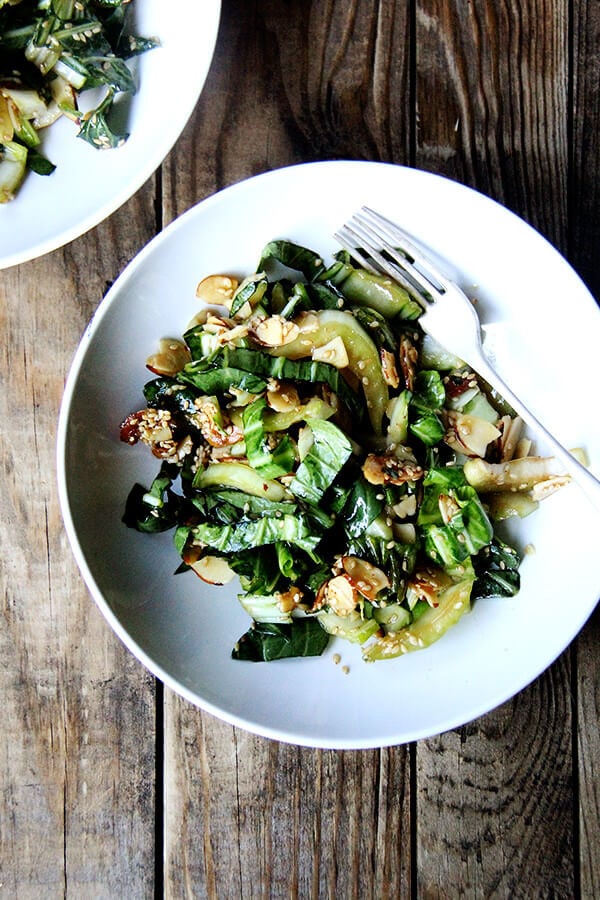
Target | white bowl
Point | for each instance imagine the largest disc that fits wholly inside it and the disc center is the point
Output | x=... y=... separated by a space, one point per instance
x=544 y=330
x=88 y=184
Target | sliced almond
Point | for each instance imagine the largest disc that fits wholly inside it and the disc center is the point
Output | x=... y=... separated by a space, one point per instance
x=290 y=599
x=282 y=396
x=334 y=353
x=171 y=357
x=275 y=331
x=543 y=489
x=213 y=569
x=469 y=435
x=341 y=595
x=389 y=368
x=218 y=289
x=365 y=577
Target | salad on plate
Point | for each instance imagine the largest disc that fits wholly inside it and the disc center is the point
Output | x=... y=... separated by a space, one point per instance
x=317 y=445
x=50 y=52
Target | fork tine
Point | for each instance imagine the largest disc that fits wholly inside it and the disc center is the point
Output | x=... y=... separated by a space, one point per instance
x=356 y=237
x=396 y=259
x=392 y=262
x=346 y=238
x=353 y=241
x=404 y=241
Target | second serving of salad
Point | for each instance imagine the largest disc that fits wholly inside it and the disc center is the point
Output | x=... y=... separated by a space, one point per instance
x=347 y=469
x=51 y=51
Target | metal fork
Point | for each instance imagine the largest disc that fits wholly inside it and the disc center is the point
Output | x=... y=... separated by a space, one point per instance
x=383 y=247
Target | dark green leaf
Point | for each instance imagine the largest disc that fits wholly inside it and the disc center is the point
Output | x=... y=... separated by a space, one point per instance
x=220 y=380
x=305 y=370
x=497 y=570
x=246 y=534
x=96 y=130
x=325 y=458
x=38 y=163
x=271 y=463
x=266 y=642
x=364 y=503
x=292 y=256
x=155 y=509
x=429 y=393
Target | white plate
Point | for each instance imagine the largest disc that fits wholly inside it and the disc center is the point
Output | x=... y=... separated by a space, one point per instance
x=88 y=185
x=546 y=331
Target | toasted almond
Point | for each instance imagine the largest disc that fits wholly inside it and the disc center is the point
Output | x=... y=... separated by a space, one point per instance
x=334 y=353
x=341 y=595
x=275 y=331
x=282 y=396
x=170 y=359
x=388 y=366
x=213 y=570
x=217 y=289
x=365 y=577
x=469 y=434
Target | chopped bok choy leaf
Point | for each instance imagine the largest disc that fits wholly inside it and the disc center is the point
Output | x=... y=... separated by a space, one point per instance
x=50 y=53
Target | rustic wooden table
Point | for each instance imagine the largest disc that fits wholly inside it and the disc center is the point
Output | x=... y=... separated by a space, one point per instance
x=111 y=786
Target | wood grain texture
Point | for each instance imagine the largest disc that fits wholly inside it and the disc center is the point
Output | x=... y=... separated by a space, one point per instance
x=588 y=753
x=492 y=94
x=583 y=252
x=76 y=744
x=248 y=817
x=296 y=82
x=494 y=800
x=585 y=188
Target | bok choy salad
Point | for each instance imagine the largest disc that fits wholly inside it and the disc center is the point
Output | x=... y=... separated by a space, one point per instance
x=50 y=52
x=347 y=469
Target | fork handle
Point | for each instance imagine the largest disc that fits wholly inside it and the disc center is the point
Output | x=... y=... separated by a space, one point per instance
x=588 y=483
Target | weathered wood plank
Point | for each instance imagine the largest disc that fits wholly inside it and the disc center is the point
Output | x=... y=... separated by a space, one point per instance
x=588 y=753
x=249 y=817
x=291 y=83
x=583 y=252
x=494 y=800
x=76 y=744
x=585 y=195
x=492 y=82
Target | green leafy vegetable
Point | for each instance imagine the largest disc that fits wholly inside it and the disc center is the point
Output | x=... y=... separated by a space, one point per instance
x=497 y=570
x=155 y=509
x=326 y=456
x=50 y=52
x=317 y=448
x=265 y=642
